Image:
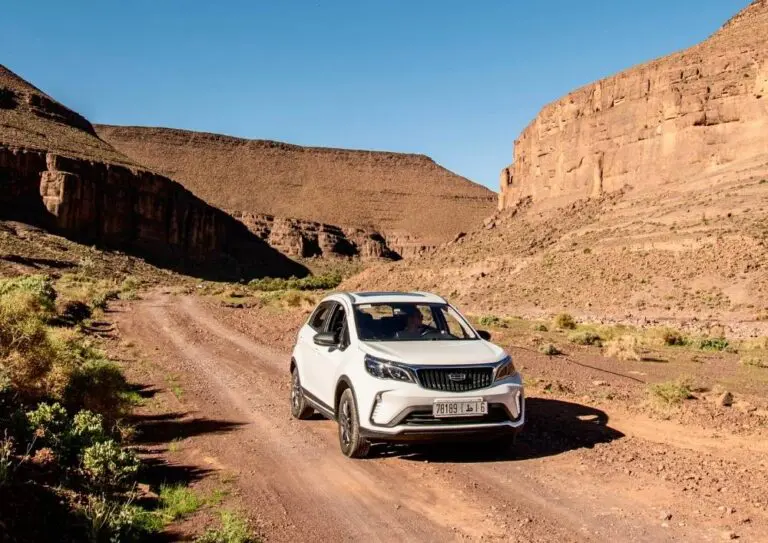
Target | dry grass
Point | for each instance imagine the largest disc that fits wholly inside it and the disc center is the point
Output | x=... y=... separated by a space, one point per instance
x=623 y=348
x=671 y=393
x=564 y=321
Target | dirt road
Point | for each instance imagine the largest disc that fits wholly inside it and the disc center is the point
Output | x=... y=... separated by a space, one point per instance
x=576 y=476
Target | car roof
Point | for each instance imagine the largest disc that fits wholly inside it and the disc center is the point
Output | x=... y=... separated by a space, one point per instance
x=377 y=297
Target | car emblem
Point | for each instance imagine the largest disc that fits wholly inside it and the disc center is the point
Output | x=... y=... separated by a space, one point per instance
x=457 y=376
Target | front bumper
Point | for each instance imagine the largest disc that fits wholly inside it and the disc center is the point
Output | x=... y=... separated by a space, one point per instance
x=405 y=414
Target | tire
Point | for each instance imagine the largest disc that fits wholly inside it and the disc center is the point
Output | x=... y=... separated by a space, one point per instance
x=352 y=444
x=299 y=407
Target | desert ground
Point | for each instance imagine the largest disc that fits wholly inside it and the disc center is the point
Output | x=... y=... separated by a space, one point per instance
x=598 y=460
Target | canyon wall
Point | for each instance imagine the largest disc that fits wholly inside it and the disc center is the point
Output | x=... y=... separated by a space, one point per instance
x=136 y=211
x=701 y=111
x=56 y=172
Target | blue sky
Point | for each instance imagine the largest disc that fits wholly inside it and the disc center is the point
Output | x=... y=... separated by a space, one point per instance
x=456 y=80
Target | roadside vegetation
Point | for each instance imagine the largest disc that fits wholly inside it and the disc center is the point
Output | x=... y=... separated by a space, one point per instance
x=65 y=453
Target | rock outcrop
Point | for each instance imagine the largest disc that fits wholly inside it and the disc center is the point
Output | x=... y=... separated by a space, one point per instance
x=55 y=172
x=295 y=237
x=409 y=199
x=698 y=112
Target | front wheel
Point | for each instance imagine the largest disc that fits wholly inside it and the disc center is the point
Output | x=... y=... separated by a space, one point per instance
x=353 y=445
x=299 y=407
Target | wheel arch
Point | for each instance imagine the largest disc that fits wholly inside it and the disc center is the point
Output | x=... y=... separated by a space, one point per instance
x=342 y=384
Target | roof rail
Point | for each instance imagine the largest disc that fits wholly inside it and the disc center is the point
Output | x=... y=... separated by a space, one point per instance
x=348 y=295
x=423 y=293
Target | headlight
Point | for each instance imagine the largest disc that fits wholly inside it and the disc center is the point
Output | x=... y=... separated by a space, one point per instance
x=505 y=368
x=383 y=369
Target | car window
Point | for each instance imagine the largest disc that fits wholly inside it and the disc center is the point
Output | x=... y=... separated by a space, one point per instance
x=337 y=320
x=321 y=314
x=409 y=322
x=455 y=325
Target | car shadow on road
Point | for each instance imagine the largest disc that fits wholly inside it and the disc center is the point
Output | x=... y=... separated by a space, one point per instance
x=154 y=429
x=552 y=427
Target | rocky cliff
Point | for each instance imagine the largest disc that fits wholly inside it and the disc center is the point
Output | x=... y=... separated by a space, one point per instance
x=702 y=111
x=408 y=199
x=295 y=237
x=55 y=172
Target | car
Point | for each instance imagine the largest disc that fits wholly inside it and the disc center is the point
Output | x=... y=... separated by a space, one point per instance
x=394 y=367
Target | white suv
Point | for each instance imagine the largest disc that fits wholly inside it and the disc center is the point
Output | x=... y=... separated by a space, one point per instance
x=393 y=366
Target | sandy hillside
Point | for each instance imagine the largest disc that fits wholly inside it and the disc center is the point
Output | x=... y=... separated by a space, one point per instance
x=385 y=191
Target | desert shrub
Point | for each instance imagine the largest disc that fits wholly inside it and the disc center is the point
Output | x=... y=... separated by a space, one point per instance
x=87 y=429
x=671 y=392
x=712 y=344
x=540 y=327
x=565 y=321
x=623 y=348
x=6 y=460
x=312 y=282
x=293 y=298
x=585 y=337
x=26 y=350
x=549 y=349
x=177 y=501
x=118 y=521
x=234 y=529
x=755 y=361
x=38 y=287
x=102 y=298
x=97 y=385
x=671 y=337
x=492 y=320
x=49 y=424
x=74 y=312
x=107 y=465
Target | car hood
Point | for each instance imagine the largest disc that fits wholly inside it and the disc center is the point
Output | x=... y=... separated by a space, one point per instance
x=451 y=352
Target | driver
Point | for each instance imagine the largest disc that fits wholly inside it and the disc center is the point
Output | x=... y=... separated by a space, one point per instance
x=414 y=326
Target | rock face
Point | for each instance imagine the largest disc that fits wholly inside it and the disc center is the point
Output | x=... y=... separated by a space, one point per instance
x=295 y=237
x=54 y=172
x=700 y=111
x=409 y=199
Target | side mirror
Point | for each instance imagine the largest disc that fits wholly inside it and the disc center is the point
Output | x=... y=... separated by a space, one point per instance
x=484 y=334
x=326 y=339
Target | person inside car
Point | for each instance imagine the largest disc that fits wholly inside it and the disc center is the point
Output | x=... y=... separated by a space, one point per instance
x=414 y=324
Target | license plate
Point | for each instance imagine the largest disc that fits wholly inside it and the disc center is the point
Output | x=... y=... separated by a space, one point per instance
x=470 y=407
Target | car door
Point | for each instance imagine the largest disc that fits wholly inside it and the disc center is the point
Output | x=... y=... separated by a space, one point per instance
x=308 y=354
x=331 y=359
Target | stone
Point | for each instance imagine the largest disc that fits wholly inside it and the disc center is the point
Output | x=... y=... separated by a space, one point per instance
x=725 y=399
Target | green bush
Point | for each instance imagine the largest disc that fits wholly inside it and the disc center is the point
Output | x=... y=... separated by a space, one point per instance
x=97 y=385
x=313 y=282
x=49 y=424
x=116 y=521
x=712 y=344
x=107 y=465
x=671 y=392
x=565 y=321
x=549 y=349
x=234 y=529
x=26 y=350
x=585 y=337
x=101 y=299
x=87 y=429
x=177 y=501
x=38 y=287
x=492 y=320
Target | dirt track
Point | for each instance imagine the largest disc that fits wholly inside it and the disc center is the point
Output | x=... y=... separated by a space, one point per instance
x=576 y=476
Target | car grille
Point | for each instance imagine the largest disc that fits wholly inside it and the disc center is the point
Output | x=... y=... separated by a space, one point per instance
x=496 y=413
x=455 y=379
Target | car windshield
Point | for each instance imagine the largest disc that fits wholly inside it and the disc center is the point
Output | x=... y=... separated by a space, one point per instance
x=410 y=322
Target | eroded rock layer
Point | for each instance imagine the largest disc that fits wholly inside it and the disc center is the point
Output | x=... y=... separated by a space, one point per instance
x=701 y=111
x=55 y=172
